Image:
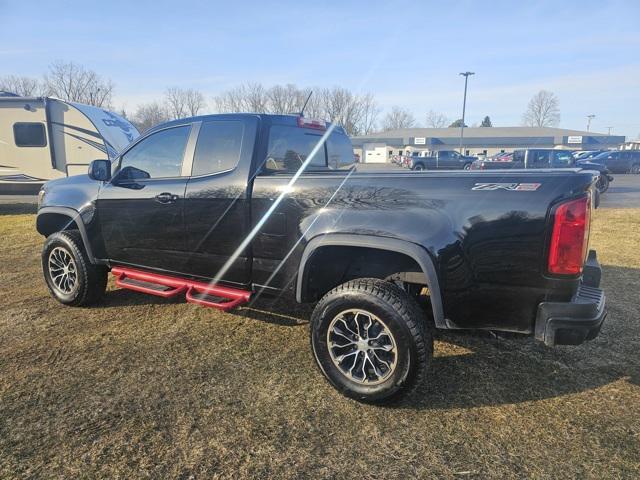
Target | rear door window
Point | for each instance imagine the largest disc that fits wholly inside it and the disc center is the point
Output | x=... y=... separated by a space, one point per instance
x=518 y=156
x=218 y=147
x=289 y=148
x=29 y=134
x=561 y=159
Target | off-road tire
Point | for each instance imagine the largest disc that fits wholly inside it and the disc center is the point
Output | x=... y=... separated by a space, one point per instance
x=91 y=279
x=403 y=317
x=603 y=183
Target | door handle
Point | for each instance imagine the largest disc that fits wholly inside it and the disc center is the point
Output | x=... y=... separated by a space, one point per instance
x=166 y=198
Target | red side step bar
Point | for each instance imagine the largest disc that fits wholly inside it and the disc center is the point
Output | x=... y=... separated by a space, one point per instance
x=195 y=292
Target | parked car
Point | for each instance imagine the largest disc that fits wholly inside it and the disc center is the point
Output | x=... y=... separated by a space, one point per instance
x=548 y=158
x=620 y=161
x=441 y=160
x=221 y=209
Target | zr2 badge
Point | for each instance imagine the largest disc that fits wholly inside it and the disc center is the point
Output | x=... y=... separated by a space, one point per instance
x=517 y=187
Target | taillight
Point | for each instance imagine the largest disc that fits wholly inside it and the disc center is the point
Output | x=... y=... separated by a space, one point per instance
x=570 y=237
x=312 y=123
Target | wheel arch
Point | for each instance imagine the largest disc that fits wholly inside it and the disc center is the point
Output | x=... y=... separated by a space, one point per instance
x=56 y=219
x=409 y=250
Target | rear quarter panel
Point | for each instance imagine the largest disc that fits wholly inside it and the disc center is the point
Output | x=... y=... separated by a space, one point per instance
x=488 y=245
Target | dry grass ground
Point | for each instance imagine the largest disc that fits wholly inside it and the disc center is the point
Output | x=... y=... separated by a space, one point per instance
x=142 y=387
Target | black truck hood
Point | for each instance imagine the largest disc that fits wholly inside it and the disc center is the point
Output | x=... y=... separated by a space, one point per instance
x=73 y=192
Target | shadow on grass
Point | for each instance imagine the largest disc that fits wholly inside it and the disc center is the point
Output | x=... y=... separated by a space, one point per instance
x=498 y=369
x=17 y=208
x=493 y=375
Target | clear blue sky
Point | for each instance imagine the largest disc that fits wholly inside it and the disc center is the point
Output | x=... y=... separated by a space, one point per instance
x=405 y=53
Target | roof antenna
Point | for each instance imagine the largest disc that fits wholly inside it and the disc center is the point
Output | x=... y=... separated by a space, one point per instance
x=305 y=103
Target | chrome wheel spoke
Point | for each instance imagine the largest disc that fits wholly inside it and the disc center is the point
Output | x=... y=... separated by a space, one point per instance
x=362 y=347
x=62 y=270
x=344 y=322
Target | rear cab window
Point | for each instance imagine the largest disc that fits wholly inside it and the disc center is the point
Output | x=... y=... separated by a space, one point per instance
x=290 y=146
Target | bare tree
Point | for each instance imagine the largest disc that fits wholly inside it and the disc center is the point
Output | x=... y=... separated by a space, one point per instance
x=249 y=97
x=149 y=115
x=436 y=119
x=23 y=86
x=356 y=113
x=195 y=102
x=543 y=110
x=74 y=83
x=369 y=115
x=181 y=103
x=285 y=99
x=398 y=118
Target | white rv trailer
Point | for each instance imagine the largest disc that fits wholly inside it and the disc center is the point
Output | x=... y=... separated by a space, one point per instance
x=45 y=138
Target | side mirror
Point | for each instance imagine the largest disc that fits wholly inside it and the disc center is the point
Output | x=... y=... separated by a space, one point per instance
x=100 y=170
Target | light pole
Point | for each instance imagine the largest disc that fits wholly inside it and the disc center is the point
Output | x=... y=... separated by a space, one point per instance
x=589 y=118
x=609 y=132
x=464 y=105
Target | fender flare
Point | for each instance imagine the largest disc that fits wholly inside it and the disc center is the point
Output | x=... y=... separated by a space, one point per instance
x=416 y=252
x=76 y=218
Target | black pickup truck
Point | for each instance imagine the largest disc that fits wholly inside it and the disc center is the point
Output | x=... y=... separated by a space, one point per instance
x=222 y=209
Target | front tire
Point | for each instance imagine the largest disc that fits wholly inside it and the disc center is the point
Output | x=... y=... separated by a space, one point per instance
x=418 y=167
x=371 y=340
x=635 y=168
x=71 y=278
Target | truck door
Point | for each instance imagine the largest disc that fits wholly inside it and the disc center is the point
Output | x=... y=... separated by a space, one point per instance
x=431 y=161
x=140 y=210
x=277 y=247
x=444 y=158
x=623 y=164
x=217 y=212
x=452 y=161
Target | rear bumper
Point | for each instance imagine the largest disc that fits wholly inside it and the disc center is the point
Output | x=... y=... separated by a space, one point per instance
x=580 y=319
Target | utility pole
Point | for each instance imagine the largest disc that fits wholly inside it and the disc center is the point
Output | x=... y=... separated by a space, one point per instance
x=464 y=106
x=589 y=118
x=609 y=130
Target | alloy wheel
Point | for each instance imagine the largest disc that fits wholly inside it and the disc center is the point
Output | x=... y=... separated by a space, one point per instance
x=362 y=347
x=63 y=271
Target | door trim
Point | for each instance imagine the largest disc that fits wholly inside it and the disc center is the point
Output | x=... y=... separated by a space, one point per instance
x=189 y=151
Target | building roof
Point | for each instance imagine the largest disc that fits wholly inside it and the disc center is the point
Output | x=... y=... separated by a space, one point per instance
x=480 y=132
x=491 y=137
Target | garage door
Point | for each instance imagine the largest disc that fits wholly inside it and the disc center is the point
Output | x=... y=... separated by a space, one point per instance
x=375 y=155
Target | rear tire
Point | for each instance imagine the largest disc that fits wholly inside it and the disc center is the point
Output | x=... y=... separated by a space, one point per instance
x=371 y=340
x=635 y=169
x=603 y=183
x=71 y=278
x=467 y=166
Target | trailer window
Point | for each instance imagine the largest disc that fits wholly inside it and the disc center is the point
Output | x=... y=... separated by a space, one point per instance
x=29 y=134
x=218 y=147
